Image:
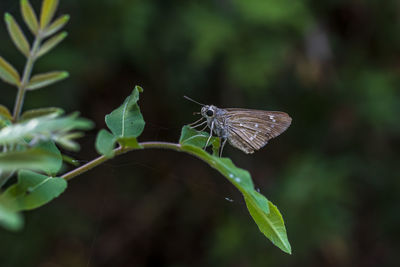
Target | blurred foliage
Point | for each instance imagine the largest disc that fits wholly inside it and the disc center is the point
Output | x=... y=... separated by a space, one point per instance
x=332 y=65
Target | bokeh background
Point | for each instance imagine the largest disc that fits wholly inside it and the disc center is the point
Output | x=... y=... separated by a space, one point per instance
x=332 y=65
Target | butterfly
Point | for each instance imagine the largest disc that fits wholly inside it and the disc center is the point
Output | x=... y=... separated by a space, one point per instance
x=246 y=129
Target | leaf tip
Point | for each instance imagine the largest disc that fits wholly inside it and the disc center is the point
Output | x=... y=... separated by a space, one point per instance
x=139 y=88
x=7 y=17
x=64 y=74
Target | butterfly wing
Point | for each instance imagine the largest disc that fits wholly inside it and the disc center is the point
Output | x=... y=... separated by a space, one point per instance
x=249 y=130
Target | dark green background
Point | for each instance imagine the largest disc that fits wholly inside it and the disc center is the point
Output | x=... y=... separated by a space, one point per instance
x=332 y=65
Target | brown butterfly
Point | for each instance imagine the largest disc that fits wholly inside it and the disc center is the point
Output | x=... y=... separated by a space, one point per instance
x=246 y=129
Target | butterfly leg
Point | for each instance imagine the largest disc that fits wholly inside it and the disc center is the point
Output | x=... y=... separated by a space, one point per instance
x=195 y=126
x=196 y=121
x=222 y=146
x=209 y=138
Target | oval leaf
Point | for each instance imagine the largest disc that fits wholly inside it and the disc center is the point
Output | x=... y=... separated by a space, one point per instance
x=17 y=35
x=57 y=25
x=49 y=8
x=51 y=43
x=34 y=113
x=29 y=16
x=34 y=190
x=8 y=73
x=45 y=79
x=5 y=113
x=127 y=121
x=105 y=143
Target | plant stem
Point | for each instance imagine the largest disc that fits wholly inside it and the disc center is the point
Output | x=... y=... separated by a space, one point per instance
x=26 y=76
x=118 y=151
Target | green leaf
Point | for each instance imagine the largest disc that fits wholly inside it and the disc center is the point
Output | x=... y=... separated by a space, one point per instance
x=271 y=225
x=17 y=35
x=9 y=218
x=33 y=158
x=49 y=8
x=127 y=121
x=8 y=73
x=54 y=168
x=34 y=190
x=105 y=143
x=44 y=128
x=39 y=112
x=51 y=43
x=190 y=136
x=5 y=113
x=57 y=25
x=29 y=16
x=45 y=79
x=266 y=215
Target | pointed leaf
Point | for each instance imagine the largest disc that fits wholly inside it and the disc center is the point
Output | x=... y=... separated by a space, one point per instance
x=271 y=225
x=49 y=8
x=29 y=16
x=67 y=142
x=39 y=112
x=5 y=113
x=17 y=35
x=51 y=43
x=45 y=79
x=34 y=190
x=127 y=121
x=105 y=143
x=57 y=25
x=34 y=159
x=8 y=73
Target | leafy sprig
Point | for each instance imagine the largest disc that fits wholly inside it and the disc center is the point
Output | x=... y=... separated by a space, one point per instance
x=28 y=141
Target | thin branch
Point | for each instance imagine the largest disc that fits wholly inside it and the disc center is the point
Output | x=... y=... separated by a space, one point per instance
x=118 y=151
x=26 y=76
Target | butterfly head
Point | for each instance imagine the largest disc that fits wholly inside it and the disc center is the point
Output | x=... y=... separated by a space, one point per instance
x=208 y=111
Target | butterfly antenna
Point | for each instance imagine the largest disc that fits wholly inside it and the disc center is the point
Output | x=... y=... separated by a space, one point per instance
x=194 y=101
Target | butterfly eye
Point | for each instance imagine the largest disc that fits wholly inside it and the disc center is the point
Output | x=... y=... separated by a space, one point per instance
x=210 y=113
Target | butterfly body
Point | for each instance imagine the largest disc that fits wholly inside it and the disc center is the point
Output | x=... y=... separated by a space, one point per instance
x=246 y=129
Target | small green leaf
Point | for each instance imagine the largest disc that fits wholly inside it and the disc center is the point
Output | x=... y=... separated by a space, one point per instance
x=49 y=8
x=8 y=73
x=105 y=143
x=34 y=159
x=70 y=160
x=271 y=225
x=54 y=168
x=5 y=113
x=34 y=190
x=190 y=136
x=45 y=79
x=51 y=43
x=57 y=25
x=29 y=16
x=17 y=35
x=127 y=121
x=9 y=218
x=39 y=112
